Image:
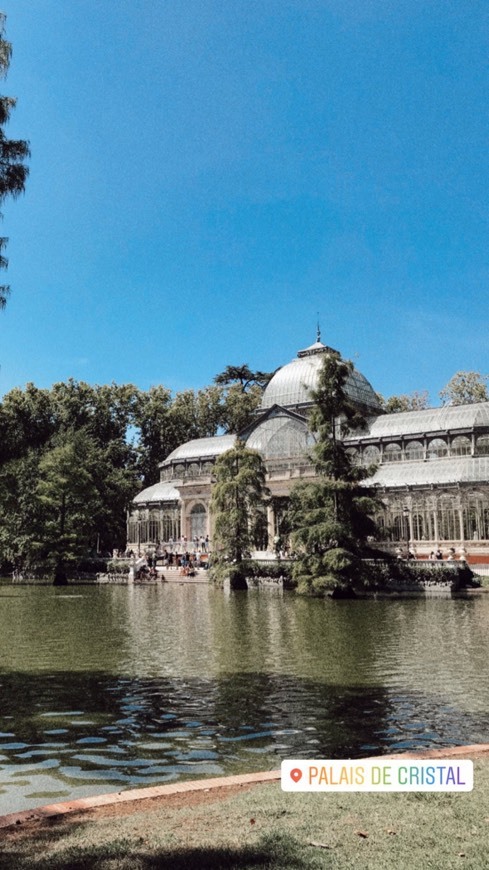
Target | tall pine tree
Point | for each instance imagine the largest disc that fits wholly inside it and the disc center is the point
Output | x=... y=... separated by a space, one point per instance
x=331 y=517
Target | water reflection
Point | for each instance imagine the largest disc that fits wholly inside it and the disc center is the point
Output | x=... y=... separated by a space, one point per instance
x=113 y=687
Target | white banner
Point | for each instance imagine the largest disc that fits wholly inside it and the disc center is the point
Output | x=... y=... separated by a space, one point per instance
x=377 y=774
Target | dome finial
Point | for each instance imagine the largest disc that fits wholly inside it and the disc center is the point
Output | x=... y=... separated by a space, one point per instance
x=318 y=331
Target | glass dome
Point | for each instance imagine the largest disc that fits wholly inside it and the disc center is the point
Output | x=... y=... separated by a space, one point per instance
x=291 y=385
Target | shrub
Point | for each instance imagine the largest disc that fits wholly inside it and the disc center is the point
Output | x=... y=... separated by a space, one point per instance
x=117 y=567
x=221 y=571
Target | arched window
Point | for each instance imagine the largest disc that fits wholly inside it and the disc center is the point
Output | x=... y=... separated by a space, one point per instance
x=437 y=448
x=259 y=530
x=392 y=453
x=448 y=526
x=400 y=527
x=460 y=446
x=422 y=519
x=476 y=517
x=144 y=525
x=153 y=526
x=132 y=530
x=397 y=528
x=482 y=445
x=198 y=521
x=418 y=527
x=171 y=524
x=414 y=450
x=485 y=524
x=353 y=455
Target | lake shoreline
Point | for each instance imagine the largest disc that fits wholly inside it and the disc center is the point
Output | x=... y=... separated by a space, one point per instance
x=120 y=802
x=126 y=688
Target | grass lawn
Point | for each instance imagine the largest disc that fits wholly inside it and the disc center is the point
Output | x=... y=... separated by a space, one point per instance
x=262 y=827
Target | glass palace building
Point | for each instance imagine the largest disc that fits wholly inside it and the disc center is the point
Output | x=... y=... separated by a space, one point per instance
x=432 y=469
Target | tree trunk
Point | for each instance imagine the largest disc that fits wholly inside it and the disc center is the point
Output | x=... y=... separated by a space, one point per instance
x=60 y=578
x=237 y=578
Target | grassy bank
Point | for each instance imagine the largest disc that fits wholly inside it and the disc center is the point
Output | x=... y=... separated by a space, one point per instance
x=262 y=827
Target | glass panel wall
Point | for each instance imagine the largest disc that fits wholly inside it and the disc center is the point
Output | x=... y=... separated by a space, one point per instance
x=482 y=445
x=198 y=518
x=437 y=448
x=414 y=450
x=392 y=453
x=460 y=446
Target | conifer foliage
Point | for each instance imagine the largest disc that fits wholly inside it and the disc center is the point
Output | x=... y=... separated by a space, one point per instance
x=237 y=498
x=13 y=152
x=331 y=517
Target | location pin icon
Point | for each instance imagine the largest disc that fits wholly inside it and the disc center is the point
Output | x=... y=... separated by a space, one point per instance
x=296 y=774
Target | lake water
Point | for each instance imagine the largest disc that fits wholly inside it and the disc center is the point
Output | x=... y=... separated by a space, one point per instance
x=105 y=688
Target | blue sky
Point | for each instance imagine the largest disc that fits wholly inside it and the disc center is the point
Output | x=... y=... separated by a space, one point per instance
x=210 y=176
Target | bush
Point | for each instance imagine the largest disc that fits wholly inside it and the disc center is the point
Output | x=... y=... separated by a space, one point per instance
x=269 y=570
x=221 y=571
x=93 y=565
x=116 y=567
x=385 y=573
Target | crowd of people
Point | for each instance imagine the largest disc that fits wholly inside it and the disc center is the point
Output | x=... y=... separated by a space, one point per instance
x=450 y=557
x=182 y=555
x=435 y=555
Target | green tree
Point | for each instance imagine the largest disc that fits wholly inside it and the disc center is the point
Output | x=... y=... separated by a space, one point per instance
x=331 y=517
x=20 y=512
x=33 y=424
x=241 y=393
x=113 y=471
x=105 y=414
x=163 y=423
x=237 y=497
x=106 y=411
x=415 y=401
x=70 y=503
x=195 y=414
x=243 y=376
x=13 y=171
x=465 y=388
x=238 y=407
x=27 y=421
x=152 y=431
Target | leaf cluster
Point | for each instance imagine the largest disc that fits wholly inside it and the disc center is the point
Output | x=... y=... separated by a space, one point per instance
x=238 y=496
x=241 y=393
x=415 y=401
x=125 y=433
x=13 y=152
x=465 y=388
x=331 y=518
x=243 y=376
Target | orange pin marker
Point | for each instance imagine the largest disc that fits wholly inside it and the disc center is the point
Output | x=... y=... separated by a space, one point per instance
x=296 y=774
